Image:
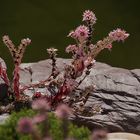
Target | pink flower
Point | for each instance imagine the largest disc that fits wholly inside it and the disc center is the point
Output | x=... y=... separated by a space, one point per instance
x=63 y=111
x=89 y=16
x=40 y=104
x=25 y=125
x=82 y=33
x=71 y=48
x=118 y=35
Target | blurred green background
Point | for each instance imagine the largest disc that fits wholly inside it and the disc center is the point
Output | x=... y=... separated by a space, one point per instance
x=47 y=23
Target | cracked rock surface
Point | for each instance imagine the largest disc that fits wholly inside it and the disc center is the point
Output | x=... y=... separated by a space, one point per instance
x=117 y=92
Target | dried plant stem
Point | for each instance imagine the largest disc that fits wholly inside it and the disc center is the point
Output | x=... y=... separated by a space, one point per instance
x=54 y=67
x=52 y=54
x=90 y=26
x=16 y=82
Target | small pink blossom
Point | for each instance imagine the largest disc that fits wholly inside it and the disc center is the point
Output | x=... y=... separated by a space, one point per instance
x=118 y=35
x=25 y=125
x=63 y=111
x=89 y=16
x=71 y=48
x=82 y=33
x=40 y=104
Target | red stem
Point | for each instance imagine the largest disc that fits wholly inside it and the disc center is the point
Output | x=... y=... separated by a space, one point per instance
x=16 y=82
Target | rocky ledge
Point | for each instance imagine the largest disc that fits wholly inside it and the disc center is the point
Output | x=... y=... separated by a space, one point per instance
x=117 y=92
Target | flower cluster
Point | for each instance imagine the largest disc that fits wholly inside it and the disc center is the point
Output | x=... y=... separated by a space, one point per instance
x=81 y=33
x=17 y=55
x=84 y=54
x=27 y=125
x=40 y=104
x=63 y=111
x=89 y=16
x=118 y=35
x=31 y=126
x=61 y=86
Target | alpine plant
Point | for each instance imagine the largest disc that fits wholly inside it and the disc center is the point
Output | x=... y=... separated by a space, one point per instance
x=62 y=86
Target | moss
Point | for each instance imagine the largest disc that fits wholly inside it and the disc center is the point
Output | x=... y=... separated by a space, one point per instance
x=8 y=129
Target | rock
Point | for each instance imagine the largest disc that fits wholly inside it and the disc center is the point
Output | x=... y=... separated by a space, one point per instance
x=118 y=93
x=3 y=117
x=3 y=86
x=2 y=63
x=3 y=93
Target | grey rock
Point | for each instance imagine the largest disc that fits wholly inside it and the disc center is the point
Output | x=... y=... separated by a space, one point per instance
x=3 y=118
x=117 y=92
x=4 y=66
x=3 y=86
